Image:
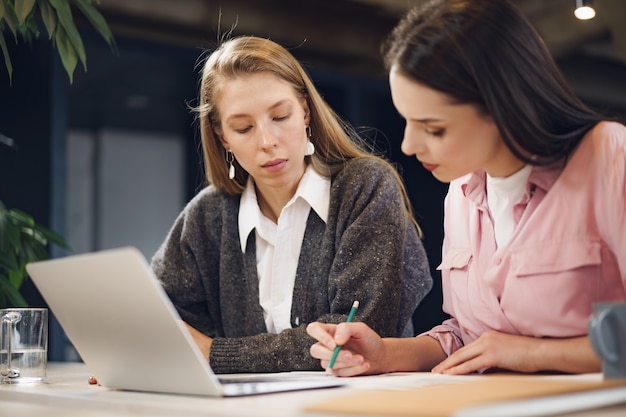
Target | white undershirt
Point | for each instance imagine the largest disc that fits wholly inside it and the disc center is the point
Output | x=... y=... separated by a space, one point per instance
x=502 y=194
x=278 y=244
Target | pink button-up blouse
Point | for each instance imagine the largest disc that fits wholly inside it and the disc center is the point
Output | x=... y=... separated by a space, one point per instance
x=567 y=251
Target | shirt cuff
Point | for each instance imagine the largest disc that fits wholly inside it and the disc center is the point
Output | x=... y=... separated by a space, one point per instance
x=449 y=341
x=225 y=356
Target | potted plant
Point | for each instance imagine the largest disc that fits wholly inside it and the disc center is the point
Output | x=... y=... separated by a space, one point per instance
x=23 y=18
x=22 y=240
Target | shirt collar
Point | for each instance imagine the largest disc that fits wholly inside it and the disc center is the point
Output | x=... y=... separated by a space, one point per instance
x=543 y=177
x=313 y=188
x=249 y=213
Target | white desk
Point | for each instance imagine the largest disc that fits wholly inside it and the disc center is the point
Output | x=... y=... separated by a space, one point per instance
x=67 y=393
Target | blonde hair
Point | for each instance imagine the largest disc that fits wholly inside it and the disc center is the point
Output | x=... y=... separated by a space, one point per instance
x=335 y=141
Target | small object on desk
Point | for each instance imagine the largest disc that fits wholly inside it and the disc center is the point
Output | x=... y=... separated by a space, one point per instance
x=92 y=380
x=607 y=333
x=24 y=342
x=355 y=305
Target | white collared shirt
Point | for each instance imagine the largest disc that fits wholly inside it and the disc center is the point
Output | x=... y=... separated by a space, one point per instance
x=278 y=245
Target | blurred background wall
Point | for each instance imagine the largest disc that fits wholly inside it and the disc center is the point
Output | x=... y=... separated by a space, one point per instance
x=111 y=159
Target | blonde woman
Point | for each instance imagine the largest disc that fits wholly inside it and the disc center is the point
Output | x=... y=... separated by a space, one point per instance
x=298 y=222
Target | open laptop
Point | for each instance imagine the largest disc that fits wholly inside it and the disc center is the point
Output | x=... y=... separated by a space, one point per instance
x=129 y=334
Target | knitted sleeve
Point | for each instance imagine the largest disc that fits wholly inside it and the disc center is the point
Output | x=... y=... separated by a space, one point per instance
x=379 y=258
x=187 y=262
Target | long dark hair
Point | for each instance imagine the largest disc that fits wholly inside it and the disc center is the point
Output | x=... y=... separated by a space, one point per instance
x=486 y=53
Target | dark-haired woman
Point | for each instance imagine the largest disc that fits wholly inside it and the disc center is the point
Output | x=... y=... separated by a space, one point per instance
x=535 y=216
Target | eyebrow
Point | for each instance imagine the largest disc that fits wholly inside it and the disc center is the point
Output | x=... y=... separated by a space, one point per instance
x=273 y=106
x=428 y=120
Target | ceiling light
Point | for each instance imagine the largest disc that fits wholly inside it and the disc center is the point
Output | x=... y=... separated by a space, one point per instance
x=584 y=10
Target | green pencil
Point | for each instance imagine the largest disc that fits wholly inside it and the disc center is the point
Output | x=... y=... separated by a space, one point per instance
x=355 y=305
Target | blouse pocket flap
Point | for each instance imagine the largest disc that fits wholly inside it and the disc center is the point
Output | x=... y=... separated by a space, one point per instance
x=556 y=257
x=456 y=259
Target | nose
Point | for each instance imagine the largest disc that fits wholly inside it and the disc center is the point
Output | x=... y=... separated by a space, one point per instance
x=412 y=144
x=267 y=139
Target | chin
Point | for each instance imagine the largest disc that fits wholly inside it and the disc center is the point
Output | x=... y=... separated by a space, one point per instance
x=443 y=178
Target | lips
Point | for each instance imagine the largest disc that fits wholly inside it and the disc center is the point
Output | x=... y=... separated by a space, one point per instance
x=274 y=165
x=429 y=167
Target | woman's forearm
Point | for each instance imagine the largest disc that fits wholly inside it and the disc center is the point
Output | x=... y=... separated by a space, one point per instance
x=420 y=353
x=574 y=355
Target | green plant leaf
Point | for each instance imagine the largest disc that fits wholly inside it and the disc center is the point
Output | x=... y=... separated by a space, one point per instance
x=97 y=20
x=49 y=17
x=34 y=236
x=66 y=52
x=23 y=8
x=11 y=294
x=29 y=241
x=8 y=261
x=21 y=18
x=16 y=278
x=5 y=54
x=29 y=30
x=21 y=218
x=52 y=236
x=22 y=241
x=11 y=19
x=28 y=250
x=35 y=251
x=9 y=234
x=4 y=225
x=71 y=35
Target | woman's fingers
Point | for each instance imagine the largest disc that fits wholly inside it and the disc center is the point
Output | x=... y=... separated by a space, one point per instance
x=320 y=351
x=353 y=370
x=323 y=333
x=357 y=341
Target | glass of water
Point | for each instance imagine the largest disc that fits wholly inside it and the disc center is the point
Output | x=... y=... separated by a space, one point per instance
x=23 y=345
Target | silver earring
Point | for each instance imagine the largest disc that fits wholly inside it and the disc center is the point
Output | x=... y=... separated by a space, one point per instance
x=310 y=148
x=230 y=158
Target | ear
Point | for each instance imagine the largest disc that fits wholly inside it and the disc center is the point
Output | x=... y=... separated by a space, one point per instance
x=218 y=134
x=307 y=112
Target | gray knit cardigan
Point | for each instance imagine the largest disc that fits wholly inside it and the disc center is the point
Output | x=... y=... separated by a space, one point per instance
x=367 y=251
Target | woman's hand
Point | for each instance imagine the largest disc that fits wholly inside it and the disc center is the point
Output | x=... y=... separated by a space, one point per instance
x=203 y=341
x=362 y=349
x=521 y=354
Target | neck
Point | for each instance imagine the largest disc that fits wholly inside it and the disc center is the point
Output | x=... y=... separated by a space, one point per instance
x=271 y=211
x=271 y=200
x=506 y=164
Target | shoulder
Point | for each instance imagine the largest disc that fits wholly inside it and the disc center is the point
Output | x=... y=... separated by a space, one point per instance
x=603 y=145
x=210 y=196
x=606 y=135
x=210 y=203
x=365 y=171
x=365 y=182
x=598 y=165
